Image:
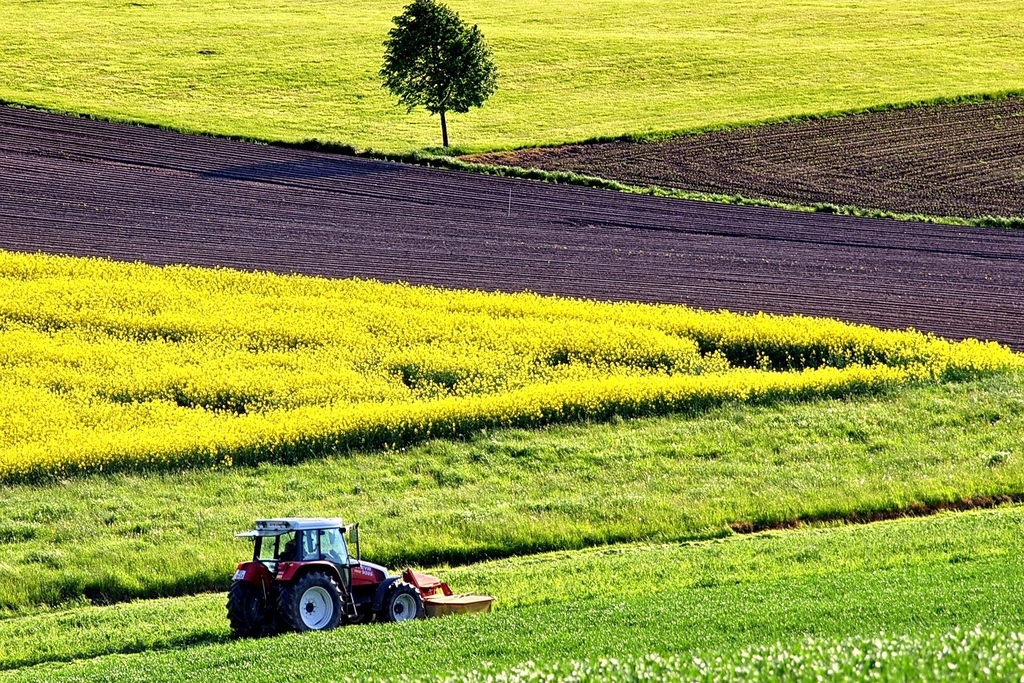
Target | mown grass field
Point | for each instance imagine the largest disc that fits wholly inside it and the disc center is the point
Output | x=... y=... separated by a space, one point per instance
x=714 y=598
x=303 y=69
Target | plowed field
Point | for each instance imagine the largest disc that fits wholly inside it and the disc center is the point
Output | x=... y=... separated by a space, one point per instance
x=85 y=188
x=963 y=160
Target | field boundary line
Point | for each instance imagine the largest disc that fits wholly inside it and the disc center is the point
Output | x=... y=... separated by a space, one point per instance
x=596 y=182
x=860 y=517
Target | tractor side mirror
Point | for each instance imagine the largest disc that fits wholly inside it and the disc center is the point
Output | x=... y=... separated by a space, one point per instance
x=352 y=531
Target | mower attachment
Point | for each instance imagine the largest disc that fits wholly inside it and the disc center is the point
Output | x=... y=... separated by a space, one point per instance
x=439 y=600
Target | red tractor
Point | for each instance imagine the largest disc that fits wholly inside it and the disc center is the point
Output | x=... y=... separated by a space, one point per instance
x=302 y=577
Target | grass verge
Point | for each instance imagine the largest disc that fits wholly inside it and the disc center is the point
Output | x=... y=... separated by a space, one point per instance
x=570 y=178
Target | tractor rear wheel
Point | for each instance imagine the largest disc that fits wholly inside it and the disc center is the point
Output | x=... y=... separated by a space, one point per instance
x=248 y=612
x=401 y=603
x=313 y=603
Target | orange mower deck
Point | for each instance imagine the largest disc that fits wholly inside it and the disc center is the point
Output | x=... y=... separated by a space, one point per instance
x=439 y=600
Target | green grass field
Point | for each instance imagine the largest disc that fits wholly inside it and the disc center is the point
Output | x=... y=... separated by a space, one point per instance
x=514 y=492
x=300 y=69
x=711 y=598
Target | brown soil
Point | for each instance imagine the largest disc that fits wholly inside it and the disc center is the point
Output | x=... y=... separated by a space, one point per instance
x=963 y=160
x=86 y=188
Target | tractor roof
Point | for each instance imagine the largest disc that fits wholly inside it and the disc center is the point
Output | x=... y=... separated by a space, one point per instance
x=283 y=525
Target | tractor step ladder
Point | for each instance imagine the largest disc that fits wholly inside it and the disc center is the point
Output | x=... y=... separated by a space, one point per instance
x=348 y=605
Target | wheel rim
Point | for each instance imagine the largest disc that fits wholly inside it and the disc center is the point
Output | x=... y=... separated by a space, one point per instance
x=403 y=608
x=316 y=608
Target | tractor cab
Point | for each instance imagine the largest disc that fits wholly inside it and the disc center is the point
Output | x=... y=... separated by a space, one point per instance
x=283 y=545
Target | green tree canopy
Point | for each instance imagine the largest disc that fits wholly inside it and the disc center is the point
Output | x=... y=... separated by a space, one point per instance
x=432 y=58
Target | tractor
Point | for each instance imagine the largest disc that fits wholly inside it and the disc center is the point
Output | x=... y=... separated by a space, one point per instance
x=303 y=577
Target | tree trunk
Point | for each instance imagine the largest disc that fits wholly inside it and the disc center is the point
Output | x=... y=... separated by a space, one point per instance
x=444 y=129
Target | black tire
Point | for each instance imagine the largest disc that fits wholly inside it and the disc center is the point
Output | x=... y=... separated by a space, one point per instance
x=312 y=603
x=248 y=612
x=402 y=602
x=365 y=616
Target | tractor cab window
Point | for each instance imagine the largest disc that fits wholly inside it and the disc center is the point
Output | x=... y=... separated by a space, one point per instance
x=277 y=547
x=310 y=546
x=332 y=546
x=288 y=548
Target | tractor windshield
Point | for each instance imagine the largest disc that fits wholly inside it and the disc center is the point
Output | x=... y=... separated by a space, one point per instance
x=333 y=547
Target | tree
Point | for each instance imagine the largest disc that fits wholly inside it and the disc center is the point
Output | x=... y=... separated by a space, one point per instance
x=432 y=58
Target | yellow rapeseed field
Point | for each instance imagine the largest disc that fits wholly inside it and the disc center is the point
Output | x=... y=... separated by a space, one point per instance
x=108 y=366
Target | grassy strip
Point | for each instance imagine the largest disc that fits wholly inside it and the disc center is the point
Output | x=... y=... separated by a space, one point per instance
x=449 y=159
x=451 y=154
x=110 y=538
x=570 y=178
x=700 y=598
x=301 y=68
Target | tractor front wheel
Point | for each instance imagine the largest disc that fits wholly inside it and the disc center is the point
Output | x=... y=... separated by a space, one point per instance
x=313 y=603
x=401 y=603
x=248 y=611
